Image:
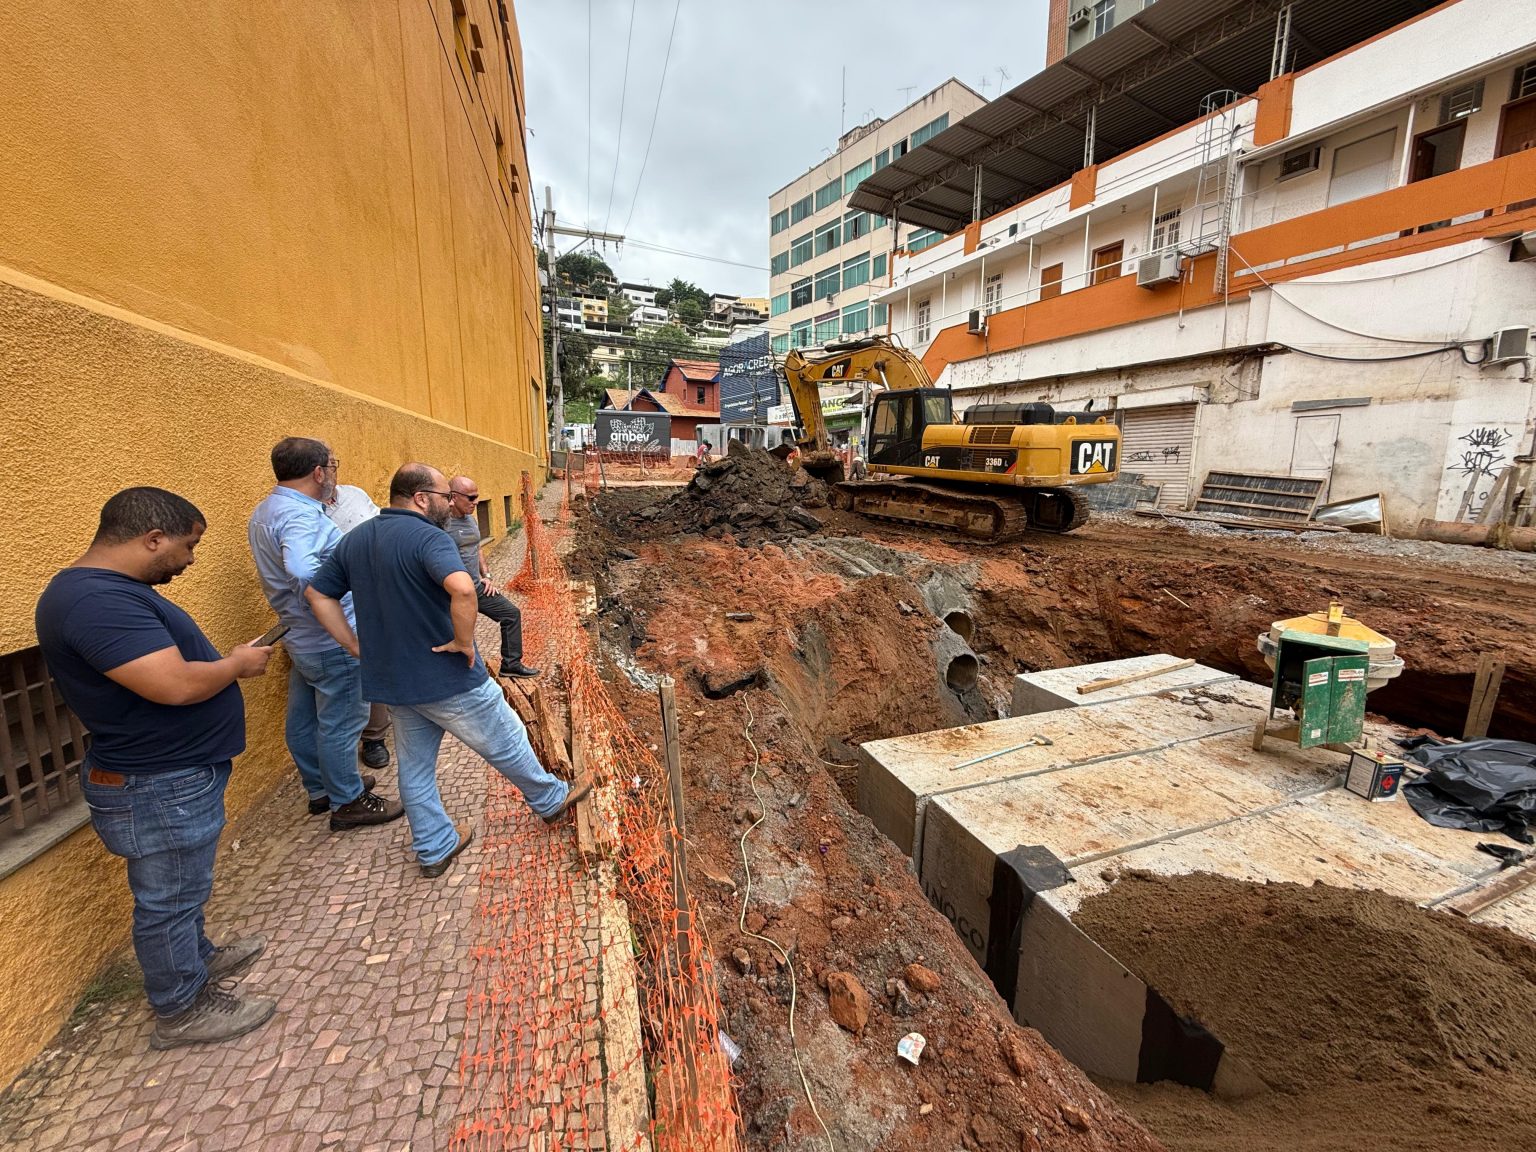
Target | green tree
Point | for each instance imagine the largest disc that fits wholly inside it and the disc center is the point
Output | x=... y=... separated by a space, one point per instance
x=690 y=312
x=576 y=365
x=663 y=297
x=619 y=308
x=583 y=269
x=647 y=357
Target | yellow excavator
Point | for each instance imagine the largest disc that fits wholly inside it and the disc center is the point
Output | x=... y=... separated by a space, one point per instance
x=999 y=470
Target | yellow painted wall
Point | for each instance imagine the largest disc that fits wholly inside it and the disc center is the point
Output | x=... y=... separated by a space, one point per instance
x=224 y=223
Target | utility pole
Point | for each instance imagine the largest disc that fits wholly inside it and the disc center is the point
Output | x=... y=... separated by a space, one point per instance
x=551 y=230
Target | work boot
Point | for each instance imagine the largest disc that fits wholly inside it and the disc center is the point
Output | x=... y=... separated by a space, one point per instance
x=579 y=789
x=236 y=956
x=320 y=805
x=216 y=1015
x=375 y=754
x=519 y=669
x=369 y=808
x=438 y=867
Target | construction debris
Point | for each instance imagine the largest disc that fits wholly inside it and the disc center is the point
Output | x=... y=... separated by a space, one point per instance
x=748 y=493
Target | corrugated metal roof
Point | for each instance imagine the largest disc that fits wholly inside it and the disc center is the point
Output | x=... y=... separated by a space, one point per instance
x=1146 y=76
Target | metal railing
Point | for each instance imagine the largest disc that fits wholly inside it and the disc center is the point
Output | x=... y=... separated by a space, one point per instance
x=41 y=743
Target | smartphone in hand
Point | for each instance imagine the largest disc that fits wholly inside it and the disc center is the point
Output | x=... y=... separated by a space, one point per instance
x=271 y=636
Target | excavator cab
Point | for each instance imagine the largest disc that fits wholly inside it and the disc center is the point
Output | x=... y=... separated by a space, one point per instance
x=898 y=420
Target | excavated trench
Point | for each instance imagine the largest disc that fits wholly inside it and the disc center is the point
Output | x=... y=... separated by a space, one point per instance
x=856 y=636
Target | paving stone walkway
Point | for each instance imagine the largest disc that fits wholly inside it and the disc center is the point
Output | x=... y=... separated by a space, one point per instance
x=373 y=968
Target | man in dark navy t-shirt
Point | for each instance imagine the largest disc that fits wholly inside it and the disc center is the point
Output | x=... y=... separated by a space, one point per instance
x=166 y=718
x=415 y=606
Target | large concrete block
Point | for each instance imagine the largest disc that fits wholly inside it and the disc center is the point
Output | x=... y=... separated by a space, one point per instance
x=898 y=776
x=1056 y=688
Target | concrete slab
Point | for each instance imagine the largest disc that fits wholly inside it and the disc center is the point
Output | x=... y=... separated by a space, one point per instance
x=898 y=776
x=1057 y=688
x=1167 y=782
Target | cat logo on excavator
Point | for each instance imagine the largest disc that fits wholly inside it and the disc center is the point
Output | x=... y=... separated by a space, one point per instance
x=1089 y=456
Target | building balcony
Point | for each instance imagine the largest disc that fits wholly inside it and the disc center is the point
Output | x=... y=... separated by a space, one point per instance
x=1493 y=199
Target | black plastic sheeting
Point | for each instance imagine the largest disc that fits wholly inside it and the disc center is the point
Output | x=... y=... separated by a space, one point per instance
x=1477 y=786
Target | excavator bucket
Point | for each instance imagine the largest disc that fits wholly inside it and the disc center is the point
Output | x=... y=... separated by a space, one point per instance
x=825 y=466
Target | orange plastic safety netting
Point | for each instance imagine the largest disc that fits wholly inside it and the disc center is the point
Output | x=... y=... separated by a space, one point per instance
x=544 y=1062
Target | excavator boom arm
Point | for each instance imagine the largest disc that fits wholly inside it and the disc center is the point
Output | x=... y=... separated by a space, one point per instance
x=874 y=360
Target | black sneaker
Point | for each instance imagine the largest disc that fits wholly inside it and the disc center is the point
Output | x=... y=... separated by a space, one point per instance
x=215 y=1015
x=519 y=669
x=375 y=754
x=319 y=806
x=369 y=808
x=236 y=956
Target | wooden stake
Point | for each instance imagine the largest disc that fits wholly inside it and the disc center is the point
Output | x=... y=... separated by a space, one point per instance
x=1485 y=694
x=1116 y=681
x=684 y=946
x=1517 y=879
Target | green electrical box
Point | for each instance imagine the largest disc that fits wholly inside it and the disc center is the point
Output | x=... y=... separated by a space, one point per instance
x=1323 y=679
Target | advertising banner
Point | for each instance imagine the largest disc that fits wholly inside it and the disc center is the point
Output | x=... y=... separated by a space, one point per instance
x=639 y=432
x=749 y=381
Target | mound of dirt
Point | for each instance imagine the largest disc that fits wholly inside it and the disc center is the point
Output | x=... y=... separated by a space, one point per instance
x=749 y=493
x=1375 y=1022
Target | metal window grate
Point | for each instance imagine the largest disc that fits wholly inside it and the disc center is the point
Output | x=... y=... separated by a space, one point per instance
x=41 y=743
x=1525 y=81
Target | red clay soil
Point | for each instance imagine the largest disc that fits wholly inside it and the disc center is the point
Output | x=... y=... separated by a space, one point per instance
x=1377 y=1024
x=832 y=657
x=827 y=887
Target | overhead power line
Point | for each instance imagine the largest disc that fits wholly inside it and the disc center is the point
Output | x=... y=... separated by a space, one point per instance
x=655 y=114
x=649 y=247
x=618 y=148
x=589 y=112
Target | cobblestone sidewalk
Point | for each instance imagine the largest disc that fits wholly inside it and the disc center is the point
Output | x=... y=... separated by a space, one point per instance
x=372 y=966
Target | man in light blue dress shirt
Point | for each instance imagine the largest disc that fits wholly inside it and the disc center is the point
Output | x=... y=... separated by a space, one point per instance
x=290 y=536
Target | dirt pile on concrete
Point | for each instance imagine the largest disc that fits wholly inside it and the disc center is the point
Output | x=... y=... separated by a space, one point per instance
x=1375 y=1022
x=748 y=493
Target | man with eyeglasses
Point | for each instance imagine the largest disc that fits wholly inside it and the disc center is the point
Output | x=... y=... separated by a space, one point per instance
x=415 y=635
x=463 y=498
x=290 y=536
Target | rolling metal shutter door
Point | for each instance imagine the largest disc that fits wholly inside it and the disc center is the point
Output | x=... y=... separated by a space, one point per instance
x=1158 y=444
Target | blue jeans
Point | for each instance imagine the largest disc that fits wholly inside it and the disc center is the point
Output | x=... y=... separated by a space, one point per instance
x=166 y=825
x=484 y=720
x=326 y=716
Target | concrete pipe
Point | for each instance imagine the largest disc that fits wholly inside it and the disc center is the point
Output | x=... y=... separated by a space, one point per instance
x=949 y=600
x=957 y=664
x=959 y=622
x=1478 y=535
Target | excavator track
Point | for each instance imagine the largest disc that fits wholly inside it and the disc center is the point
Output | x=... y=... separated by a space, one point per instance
x=991 y=514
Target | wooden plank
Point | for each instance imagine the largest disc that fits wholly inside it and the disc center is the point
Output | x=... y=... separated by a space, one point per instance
x=1485 y=694
x=1292 y=495
x=1505 y=885
x=586 y=832
x=55 y=742
x=1116 y=681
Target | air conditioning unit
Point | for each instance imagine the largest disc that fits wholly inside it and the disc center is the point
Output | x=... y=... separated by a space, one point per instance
x=1300 y=161
x=976 y=323
x=1508 y=345
x=1159 y=268
x=1080 y=17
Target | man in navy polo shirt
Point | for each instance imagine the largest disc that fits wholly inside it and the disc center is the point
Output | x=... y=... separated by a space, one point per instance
x=166 y=718
x=415 y=606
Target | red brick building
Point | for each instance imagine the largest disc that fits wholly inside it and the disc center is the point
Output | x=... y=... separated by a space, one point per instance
x=689 y=392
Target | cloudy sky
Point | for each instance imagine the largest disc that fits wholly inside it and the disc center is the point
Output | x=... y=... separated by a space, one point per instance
x=752 y=99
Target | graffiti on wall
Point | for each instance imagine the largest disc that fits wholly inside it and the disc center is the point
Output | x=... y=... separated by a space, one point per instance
x=1482 y=458
x=1167 y=455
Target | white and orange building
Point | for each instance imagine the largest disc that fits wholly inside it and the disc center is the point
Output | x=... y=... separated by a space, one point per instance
x=1274 y=237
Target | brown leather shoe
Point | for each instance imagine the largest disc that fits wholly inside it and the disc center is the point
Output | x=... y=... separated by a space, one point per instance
x=578 y=791
x=466 y=834
x=368 y=809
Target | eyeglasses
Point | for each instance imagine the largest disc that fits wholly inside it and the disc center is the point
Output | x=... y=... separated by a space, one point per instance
x=472 y=497
x=331 y=465
x=433 y=492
